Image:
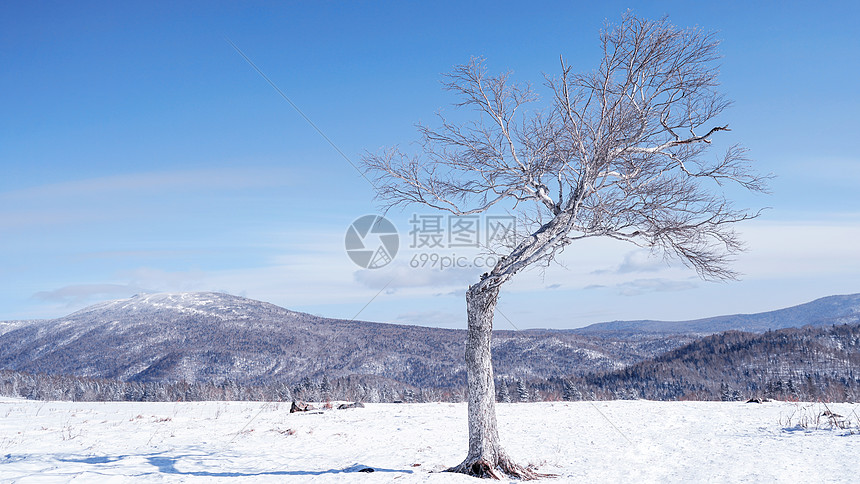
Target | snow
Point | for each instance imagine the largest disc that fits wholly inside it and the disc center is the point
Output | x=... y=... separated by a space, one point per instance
x=6 y=326
x=204 y=304
x=617 y=441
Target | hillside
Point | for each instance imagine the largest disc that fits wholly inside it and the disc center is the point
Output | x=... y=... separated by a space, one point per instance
x=213 y=337
x=6 y=326
x=843 y=309
x=219 y=339
x=810 y=363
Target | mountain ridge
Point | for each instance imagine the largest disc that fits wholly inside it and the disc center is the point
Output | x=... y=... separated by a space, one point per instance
x=218 y=337
x=829 y=310
x=836 y=309
x=214 y=336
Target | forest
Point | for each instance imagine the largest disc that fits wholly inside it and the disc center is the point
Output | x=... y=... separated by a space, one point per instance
x=796 y=364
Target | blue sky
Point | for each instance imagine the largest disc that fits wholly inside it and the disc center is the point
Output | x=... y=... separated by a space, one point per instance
x=139 y=152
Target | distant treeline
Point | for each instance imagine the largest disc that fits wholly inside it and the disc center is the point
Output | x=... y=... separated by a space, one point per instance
x=361 y=388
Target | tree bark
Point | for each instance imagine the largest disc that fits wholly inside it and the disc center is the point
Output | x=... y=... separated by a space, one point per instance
x=485 y=457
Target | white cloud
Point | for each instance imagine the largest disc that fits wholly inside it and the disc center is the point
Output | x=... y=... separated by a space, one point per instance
x=166 y=281
x=637 y=261
x=311 y=271
x=643 y=286
x=442 y=319
x=184 y=180
x=801 y=248
x=79 y=294
x=399 y=275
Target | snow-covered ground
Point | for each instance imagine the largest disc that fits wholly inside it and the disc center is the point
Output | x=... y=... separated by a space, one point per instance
x=619 y=441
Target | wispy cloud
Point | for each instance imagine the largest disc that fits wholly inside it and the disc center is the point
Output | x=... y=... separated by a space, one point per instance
x=441 y=319
x=185 y=180
x=143 y=254
x=167 y=281
x=643 y=286
x=635 y=262
x=311 y=271
x=827 y=247
x=121 y=198
x=76 y=295
x=400 y=275
x=594 y=286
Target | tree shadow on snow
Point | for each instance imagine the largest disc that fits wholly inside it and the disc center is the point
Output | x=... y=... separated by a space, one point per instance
x=99 y=459
x=167 y=465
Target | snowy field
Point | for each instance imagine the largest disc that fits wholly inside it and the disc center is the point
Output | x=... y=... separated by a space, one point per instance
x=619 y=441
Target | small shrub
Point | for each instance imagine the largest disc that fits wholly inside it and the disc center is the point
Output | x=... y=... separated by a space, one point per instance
x=820 y=417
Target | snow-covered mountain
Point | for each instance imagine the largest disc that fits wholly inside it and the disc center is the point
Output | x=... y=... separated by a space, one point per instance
x=213 y=337
x=6 y=326
x=842 y=309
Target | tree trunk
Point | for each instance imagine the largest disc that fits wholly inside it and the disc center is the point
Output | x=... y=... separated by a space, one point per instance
x=486 y=457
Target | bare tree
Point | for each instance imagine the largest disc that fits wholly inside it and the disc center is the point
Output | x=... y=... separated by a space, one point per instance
x=618 y=153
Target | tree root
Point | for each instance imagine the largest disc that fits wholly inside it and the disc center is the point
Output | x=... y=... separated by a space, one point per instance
x=504 y=468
